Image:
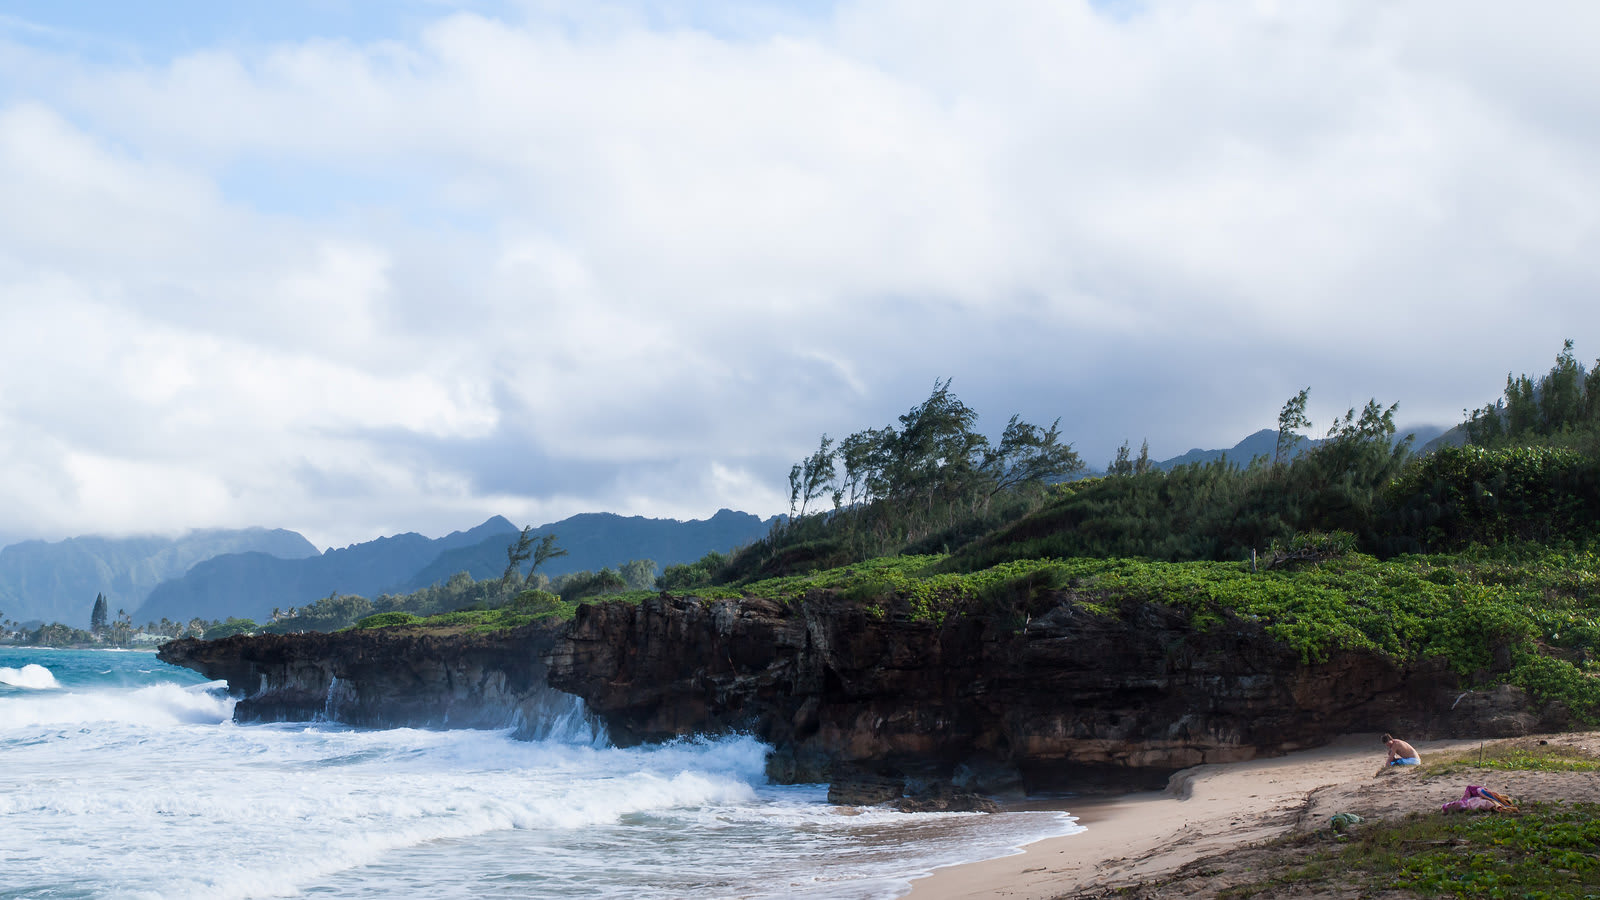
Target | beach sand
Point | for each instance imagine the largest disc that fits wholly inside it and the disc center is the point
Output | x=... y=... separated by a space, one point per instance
x=1205 y=811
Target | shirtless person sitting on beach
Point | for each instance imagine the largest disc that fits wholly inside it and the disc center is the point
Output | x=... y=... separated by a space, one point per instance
x=1401 y=753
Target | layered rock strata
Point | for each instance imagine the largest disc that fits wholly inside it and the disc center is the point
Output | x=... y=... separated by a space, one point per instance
x=837 y=687
x=880 y=705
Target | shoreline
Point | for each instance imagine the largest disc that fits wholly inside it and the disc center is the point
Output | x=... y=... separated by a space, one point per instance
x=1204 y=810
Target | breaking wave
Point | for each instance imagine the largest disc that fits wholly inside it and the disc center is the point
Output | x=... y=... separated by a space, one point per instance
x=32 y=675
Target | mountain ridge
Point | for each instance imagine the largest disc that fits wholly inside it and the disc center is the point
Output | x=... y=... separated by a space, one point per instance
x=57 y=581
x=251 y=585
x=163 y=577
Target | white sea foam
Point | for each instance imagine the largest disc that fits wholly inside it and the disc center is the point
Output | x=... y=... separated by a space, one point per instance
x=119 y=791
x=154 y=705
x=31 y=675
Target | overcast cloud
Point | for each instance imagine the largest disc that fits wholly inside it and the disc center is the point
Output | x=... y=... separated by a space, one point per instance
x=355 y=269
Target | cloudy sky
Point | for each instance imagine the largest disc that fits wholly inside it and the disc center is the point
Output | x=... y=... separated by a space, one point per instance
x=353 y=267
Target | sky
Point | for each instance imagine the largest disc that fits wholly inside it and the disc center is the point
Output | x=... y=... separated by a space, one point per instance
x=355 y=268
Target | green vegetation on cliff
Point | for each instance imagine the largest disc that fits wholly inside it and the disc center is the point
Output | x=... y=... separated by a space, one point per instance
x=515 y=598
x=1483 y=556
x=1526 y=616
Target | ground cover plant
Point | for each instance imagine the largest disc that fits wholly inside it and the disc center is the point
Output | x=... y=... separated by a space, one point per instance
x=1528 y=616
x=1482 y=556
x=1548 y=849
x=1512 y=756
x=525 y=608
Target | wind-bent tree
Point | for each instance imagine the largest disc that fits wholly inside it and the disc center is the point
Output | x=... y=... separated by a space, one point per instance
x=809 y=479
x=546 y=551
x=925 y=476
x=1291 y=419
x=525 y=549
x=1028 y=454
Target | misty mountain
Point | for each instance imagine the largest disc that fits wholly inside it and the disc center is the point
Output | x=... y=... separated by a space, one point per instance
x=1262 y=443
x=599 y=540
x=215 y=574
x=57 y=582
x=252 y=584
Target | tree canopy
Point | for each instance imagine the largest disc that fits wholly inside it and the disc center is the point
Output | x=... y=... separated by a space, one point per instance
x=1561 y=408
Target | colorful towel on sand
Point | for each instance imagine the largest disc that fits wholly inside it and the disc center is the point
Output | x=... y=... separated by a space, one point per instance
x=1478 y=797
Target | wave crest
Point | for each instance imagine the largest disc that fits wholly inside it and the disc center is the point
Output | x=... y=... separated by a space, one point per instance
x=157 y=704
x=32 y=676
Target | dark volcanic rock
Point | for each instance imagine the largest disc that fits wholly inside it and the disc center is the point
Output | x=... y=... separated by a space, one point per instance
x=837 y=689
x=387 y=677
x=905 y=794
x=890 y=710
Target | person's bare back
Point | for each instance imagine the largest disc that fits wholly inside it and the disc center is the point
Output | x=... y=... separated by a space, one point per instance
x=1400 y=752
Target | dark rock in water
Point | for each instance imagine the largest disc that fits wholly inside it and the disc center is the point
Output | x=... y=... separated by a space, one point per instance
x=905 y=794
x=865 y=790
x=944 y=799
x=889 y=710
x=383 y=677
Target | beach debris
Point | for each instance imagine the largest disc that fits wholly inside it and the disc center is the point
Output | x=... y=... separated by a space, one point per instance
x=1341 y=822
x=1477 y=797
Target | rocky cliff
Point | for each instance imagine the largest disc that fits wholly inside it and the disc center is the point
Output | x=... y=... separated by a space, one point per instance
x=836 y=687
x=873 y=701
x=389 y=678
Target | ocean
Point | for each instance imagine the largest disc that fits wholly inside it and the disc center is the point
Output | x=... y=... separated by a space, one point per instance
x=124 y=777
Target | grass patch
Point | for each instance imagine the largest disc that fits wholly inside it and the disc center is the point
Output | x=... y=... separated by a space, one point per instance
x=1521 y=756
x=527 y=608
x=1525 y=617
x=1546 y=852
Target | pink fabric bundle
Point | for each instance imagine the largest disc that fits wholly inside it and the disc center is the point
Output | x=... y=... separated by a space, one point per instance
x=1476 y=797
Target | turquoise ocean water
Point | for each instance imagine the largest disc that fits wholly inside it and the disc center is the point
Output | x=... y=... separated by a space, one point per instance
x=124 y=777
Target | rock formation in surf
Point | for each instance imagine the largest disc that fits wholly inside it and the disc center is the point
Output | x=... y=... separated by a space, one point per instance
x=848 y=695
x=386 y=678
x=832 y=684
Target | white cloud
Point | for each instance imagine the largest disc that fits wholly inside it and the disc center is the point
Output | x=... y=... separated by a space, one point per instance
x=307 y=283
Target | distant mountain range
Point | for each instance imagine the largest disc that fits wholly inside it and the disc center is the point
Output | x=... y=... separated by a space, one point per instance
x=57 y=582
x=251 y=584
x=217 y=574
x=596 y=540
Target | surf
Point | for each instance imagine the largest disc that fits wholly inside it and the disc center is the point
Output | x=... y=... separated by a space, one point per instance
x=144 y=762
x=32 y=676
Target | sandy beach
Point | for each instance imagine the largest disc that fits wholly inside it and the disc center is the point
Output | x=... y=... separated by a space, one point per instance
x=1204 y=811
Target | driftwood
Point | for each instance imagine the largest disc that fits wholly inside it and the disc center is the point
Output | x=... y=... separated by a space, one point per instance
x=1302 y=555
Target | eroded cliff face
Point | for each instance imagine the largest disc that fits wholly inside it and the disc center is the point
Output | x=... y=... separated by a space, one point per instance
x=836 y=688
x=884 y=708
x=385 y=678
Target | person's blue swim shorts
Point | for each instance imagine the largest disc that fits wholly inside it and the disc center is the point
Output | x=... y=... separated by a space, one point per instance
x=1406 y=761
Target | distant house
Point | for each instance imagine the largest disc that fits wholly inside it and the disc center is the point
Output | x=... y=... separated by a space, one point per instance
x=145 y=639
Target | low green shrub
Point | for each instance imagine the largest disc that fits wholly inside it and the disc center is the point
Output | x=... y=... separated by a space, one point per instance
x=1531 y=620
x=388 y=619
